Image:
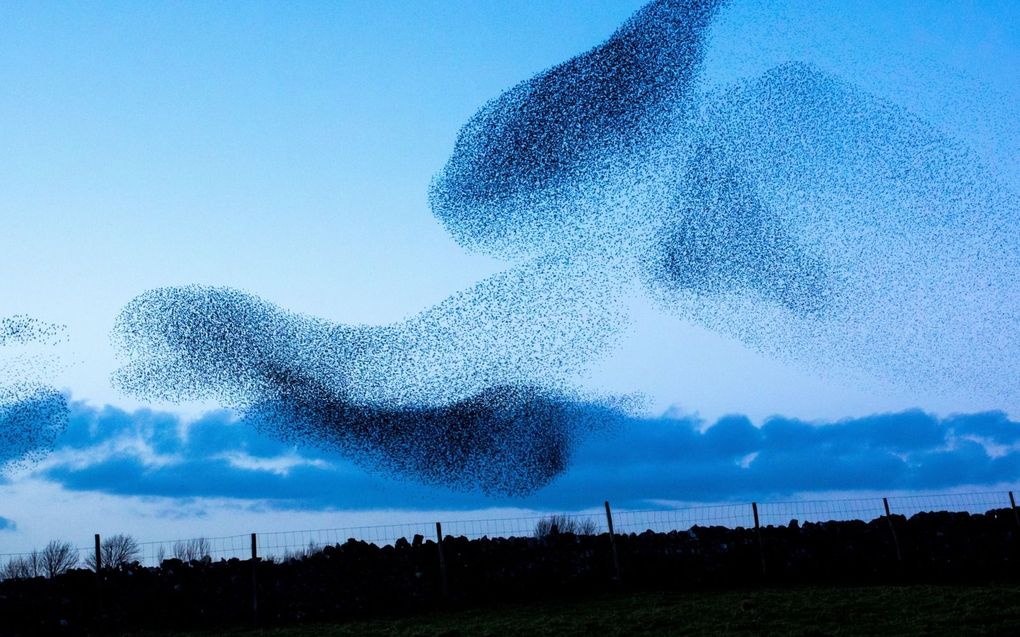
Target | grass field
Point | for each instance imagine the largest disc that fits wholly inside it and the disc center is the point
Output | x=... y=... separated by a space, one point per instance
x=906 y=610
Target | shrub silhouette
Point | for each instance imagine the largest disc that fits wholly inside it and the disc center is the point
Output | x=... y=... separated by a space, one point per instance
x=557 y=523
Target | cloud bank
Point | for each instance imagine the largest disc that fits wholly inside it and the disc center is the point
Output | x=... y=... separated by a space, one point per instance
x=632 y=462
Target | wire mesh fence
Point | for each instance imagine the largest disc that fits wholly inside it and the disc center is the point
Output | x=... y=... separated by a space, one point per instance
x=782 y=513
x=980 y=502
x=215 y=548
x=284 y=545
x=588 y=523
x=664 y=521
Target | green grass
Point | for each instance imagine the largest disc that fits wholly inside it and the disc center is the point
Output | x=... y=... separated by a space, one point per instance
x=906 y=610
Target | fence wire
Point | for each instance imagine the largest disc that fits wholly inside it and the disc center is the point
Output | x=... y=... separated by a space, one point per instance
x=664 y=521
x=782 y=513
x=197 y=548
x=980 y=502
x=283 y=545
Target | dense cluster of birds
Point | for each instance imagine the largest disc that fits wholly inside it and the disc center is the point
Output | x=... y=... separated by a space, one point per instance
x=793 y=211
x=539 y=168
x=906 y=248
x=438 y=397
x=32 y=413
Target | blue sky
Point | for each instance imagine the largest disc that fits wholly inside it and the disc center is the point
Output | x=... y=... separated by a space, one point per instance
x=286 y=150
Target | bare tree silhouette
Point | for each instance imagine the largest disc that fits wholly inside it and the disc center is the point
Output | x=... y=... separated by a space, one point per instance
x=22 y=567
x=558 y=523
x=191 y=550
x=58 y=557
x=116 y=550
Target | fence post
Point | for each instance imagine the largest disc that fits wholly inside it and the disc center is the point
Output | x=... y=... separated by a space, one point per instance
x=757 y=532
x=444 y=585
x=254 y=578
x=612 y=542
x=892 y=530
x=99 y=583
x=1012 y=505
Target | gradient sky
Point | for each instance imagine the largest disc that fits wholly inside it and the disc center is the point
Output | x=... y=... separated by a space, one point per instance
x=286 y=149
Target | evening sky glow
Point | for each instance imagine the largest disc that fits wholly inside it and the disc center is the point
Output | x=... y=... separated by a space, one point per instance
x=287 y=151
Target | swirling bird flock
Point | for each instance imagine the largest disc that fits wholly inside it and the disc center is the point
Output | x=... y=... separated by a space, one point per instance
x=793 y=211
x=32 y=413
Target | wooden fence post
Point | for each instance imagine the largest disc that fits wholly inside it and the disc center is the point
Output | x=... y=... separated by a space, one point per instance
x=892 y=530
x=612 y=542
x=99 y=583
x=757 y=532
x=254 y=578
x=444 y=584
x=1012 y=505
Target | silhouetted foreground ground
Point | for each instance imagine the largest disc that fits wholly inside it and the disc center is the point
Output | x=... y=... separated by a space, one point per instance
x=358 y=580
x=878 y=610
